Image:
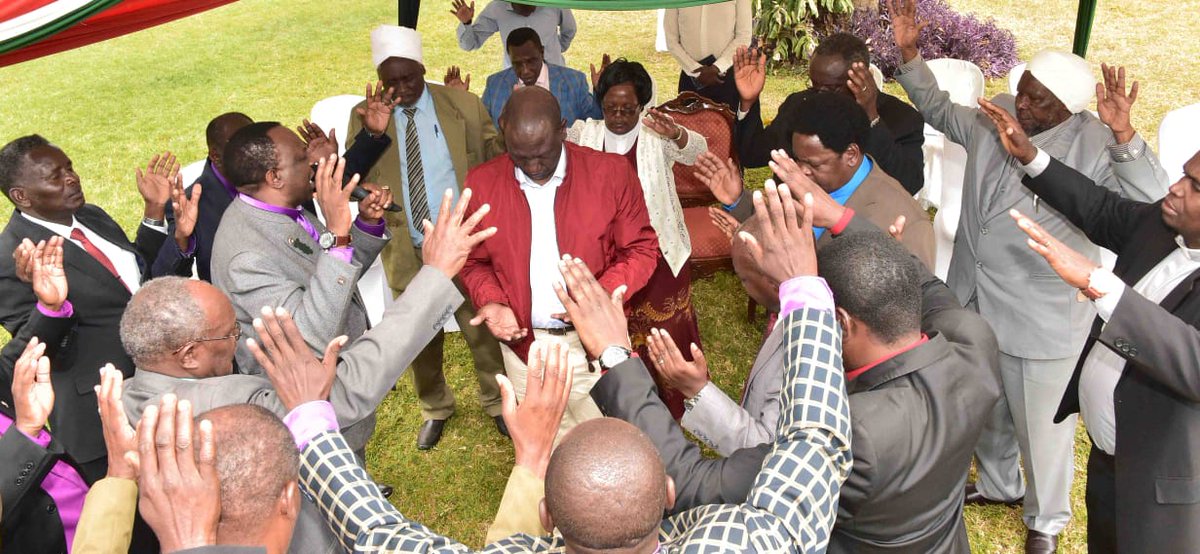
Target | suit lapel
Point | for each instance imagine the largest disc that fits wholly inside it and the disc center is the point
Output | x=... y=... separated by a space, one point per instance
x=75 y=256
x=454 y=129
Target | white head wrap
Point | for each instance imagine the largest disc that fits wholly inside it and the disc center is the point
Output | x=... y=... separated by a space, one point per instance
x=1068 y=76
x=389 y=41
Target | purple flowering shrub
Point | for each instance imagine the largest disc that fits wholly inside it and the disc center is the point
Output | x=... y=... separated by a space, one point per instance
x=949 y=35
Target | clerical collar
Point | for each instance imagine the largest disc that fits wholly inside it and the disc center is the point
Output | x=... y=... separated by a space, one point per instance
x=620 y=144
x=232 y=190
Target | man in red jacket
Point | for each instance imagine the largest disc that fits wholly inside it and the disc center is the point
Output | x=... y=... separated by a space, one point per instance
x=550 y=199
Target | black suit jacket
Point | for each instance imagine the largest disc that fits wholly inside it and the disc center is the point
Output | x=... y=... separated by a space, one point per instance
x=916 y=420
x=895 y=142
x=360 y=156
x=1157 y=399
x=30 y=520
x=78 y=345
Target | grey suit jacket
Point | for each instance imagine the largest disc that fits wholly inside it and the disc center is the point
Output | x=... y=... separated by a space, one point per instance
x=366 y=371
x=991 y=267
x=727 y=426
x=262 y=258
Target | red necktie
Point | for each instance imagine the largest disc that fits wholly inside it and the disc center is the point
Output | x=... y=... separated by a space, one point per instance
x=77 y=234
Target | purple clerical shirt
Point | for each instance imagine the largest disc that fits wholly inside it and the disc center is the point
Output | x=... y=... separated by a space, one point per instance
x=344 y=253
x=64 y=485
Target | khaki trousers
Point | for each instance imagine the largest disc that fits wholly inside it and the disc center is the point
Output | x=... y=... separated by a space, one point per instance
x=581 y=407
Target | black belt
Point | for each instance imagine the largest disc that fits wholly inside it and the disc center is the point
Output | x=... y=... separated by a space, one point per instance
x=557 y=331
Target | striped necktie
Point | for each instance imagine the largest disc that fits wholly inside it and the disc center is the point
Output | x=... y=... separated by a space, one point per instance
x=418 y=202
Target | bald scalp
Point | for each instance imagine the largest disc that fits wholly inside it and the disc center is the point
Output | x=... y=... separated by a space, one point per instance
x=529 y=109
x=606 y=486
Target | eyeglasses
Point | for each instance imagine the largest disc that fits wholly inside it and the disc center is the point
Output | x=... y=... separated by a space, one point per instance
x=236 y=335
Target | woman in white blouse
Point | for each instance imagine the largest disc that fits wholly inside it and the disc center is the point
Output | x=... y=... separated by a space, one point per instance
x=653 y=143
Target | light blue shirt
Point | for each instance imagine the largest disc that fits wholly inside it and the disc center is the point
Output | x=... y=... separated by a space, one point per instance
x=435 y=160
x=842 y=195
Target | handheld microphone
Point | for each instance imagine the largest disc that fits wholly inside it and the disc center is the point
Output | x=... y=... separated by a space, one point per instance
x=360 y=193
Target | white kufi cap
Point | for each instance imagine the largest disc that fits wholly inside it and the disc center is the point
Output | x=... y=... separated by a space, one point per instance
x=1068 y=76
x=389 y=41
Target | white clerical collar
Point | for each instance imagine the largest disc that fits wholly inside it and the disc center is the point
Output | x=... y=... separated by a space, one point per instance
x=620 y=144
x=560 y=173
x=1192 y=254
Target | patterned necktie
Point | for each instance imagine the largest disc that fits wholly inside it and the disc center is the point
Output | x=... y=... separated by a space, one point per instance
x=77 y=235
x=419 y=204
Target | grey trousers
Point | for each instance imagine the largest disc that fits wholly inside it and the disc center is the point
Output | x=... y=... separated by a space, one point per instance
x=1023 y=423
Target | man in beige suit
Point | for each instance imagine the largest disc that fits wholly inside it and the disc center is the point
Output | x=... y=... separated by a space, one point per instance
x=437 y=133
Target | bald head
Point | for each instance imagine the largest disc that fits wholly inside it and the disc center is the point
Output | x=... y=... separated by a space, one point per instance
x=534 y=132
x=258 y=464
x=530 y=108
x=606 y=486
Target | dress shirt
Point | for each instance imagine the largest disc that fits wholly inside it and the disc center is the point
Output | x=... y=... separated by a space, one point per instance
x=555 y=27
x=543 y=249
x=716 y=30
x=62 y=483
x=436 y=162
x=543 y=79
x=1103 y=367
x=843 y=193
x=125 y=261
x=232 y=190
x=343 y=253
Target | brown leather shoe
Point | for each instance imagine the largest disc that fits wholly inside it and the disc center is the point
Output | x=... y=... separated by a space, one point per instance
x=972 y=497
x=1037 y=542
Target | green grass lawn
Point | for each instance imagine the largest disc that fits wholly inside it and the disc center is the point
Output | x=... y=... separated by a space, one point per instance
x=111 y=106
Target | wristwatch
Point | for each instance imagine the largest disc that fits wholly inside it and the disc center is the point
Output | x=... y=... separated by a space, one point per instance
x=612 y=356
x=328 y=240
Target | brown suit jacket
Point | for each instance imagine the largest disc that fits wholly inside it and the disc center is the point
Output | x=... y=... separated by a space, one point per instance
x=880 y=199
x=471 y=138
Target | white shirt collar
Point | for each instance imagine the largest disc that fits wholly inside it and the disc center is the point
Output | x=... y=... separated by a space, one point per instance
x=543 y=79
x=1192 y=254
x=560 y=173
x=58 y=229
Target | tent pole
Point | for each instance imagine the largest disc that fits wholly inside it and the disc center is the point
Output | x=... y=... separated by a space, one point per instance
x=1083 y=27
x=408 y=11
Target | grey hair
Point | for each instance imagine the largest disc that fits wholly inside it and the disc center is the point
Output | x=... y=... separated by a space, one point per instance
x=160 y=318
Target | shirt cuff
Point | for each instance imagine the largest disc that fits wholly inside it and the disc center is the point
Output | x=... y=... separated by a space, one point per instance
x=841 y=224
x=373 y=229
x=42 y=439
x=806 y=291
x=160 y=228
x=343 y=253
x=310 y=419
x=1129 y=151
x=740 y=114
x=1039 y=164
x=730 y=207
x=191 y=248
x=910 y=65
x=66 y=310
x=1110 y=288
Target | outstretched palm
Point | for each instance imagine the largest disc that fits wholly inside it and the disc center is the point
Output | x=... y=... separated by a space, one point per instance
x=750 y=73
x=48 y=279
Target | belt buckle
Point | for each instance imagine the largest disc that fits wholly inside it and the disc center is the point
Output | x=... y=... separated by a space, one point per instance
x=557 y=331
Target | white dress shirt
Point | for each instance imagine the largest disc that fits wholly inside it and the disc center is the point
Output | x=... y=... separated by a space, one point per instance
x=1103 y=367
x=543 y=246
x=123 y=260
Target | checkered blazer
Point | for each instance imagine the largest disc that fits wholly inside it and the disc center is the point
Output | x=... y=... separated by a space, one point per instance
x=791 y=507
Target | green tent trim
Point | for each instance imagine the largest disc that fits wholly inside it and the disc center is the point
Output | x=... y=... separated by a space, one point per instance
x=67 y=21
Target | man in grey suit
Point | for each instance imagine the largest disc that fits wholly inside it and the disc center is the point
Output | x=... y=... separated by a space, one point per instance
x=925 y=379
x=182 y=335
x=269 y=251
x=1039 y=325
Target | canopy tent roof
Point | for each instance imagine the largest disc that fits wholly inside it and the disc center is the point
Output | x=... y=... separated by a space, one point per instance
x=34 y=28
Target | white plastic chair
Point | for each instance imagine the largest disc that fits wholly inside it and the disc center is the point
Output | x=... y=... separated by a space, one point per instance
x=876 y=74
x=1178 y=140
x=191 y=172
x=334 y=113
x=946 y=161
x=1014 y=77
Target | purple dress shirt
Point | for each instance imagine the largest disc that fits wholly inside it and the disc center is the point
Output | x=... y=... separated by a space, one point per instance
x=343 y=253
x=62 y=483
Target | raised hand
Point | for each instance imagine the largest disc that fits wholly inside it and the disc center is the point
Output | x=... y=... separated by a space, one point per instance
x=155 y=184
x=665 y=126
x=896 y=229
x=33 y=395
x=24 y=256
x=187 y=211
x=371 y=208
x=722 y=177
x=377 y=112
x=297 y=375
x=826 y=211
x=1114 y=104
x=598 y=316
x=1073 y=267
x=333 y=198
x=680 y=374
x=750 y=74
x=454 y=79
x=47 y=276
x=905 y=27
x=725 y=222
x=501 y=321
x=862 y=84
x=1012 y=136
x=534 y=423
x=464 y=12
x=605 y=61
x=448 y=243
x=786 y=250
x=179 y=493
x=316 y=144
x=119 y=437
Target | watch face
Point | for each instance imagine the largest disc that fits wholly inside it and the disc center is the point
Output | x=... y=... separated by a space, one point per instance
x=612 y=356
x=325 y=240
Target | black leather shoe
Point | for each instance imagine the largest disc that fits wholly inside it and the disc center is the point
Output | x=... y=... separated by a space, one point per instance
x=972 y=497
x=1037 y=542
x=385 y=490
x=430 y=433
x=501 y=427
